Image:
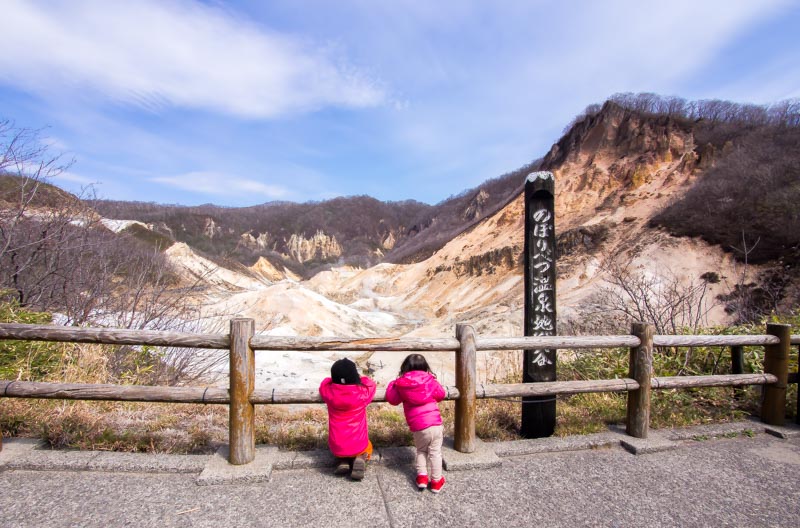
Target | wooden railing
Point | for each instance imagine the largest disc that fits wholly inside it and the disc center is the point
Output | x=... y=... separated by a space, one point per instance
x=242 y=395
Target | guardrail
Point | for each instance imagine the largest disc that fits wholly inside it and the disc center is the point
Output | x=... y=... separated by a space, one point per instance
x=242 y=395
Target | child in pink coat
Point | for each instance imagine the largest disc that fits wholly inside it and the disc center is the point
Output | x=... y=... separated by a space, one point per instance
x=419 y=392
x=347 y=395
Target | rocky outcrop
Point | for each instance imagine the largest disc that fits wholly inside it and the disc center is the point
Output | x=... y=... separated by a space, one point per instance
x=272 y=272
x=261 y=242
x=608 y=155
x=211 y=229
x=319 y=247
x=475 y=208
x=389 y=241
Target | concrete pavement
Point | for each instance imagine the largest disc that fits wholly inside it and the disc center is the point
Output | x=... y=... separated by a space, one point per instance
x=722 y=475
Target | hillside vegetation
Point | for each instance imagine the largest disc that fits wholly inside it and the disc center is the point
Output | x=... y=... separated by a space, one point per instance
x=749 y=160
x=367 y=230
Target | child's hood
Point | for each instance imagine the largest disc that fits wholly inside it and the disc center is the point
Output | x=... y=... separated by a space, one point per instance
x=416 y=387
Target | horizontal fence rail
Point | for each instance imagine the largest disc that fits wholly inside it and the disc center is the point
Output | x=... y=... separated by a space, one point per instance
x=108 y=336
x=383 y=344
x=518 y=343
x=717 y=380
x=713 y=340
x=215 y=395
x=166 y=394
x=27 y=332
x=108 y=392
x=241 y=343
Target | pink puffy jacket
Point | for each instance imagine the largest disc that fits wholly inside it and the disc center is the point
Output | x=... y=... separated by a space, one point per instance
x=419 y=392
x=347 y=415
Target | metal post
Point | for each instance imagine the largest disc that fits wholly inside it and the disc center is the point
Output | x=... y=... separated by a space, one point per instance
x=776 y=361
x=539 y=365
x=466 y=380
x=242 y=427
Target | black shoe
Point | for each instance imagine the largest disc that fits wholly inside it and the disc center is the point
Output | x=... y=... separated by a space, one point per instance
x=343 y=466
x=359 y=468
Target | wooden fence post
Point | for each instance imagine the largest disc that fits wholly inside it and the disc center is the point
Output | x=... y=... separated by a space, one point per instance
x=737 y=367
x=641 y=369
x=241 y=430
x=466 y=377
x=776 y=361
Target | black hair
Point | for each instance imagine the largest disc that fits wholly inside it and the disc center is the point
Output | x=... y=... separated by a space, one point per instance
x=414 y=362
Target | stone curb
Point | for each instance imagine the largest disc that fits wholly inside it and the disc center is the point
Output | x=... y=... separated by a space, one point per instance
x=556 y=444
x=483 y=457
x=219 y=471
x=702 y=432
x=654 y=443
x=783 y=431
x=28 y=454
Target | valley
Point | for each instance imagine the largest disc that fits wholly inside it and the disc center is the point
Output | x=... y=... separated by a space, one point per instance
x=606 y=195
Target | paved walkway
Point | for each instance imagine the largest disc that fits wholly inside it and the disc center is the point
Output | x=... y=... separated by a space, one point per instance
x=732 y=475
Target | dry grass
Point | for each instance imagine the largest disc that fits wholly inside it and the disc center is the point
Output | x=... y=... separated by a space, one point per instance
x=189 y=428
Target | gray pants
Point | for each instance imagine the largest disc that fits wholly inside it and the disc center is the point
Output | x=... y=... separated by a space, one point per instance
x=429 y=451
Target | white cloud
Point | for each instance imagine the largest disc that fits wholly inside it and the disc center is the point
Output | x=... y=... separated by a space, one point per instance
x=517 y=70
x=154 y=53
x=74 y=178
x=216 y=184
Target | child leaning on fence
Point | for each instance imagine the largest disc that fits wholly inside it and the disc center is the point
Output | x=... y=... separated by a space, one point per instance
x=347 y=395
x=419 y=392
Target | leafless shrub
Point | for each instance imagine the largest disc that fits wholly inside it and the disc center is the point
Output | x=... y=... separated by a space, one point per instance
x=56 y=256
x=670 y=303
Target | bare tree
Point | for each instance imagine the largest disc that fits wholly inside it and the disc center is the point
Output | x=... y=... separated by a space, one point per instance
x=56 y=256
x=40 y=225
x=668 y=302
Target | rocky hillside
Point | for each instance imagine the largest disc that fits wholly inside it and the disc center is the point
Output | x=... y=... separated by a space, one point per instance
x=627 y=174
x=308 y=237
x=617 y=171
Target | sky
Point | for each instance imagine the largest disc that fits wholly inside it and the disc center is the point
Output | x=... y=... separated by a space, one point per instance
x=241 y=103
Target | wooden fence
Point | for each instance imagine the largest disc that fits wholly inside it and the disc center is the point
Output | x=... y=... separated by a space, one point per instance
x=242 y=394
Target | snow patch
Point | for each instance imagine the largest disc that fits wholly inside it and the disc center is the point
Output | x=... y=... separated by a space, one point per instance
x=119 y=225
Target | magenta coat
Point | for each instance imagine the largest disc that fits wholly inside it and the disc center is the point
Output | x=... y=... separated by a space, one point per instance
x=347 y=415
x=419 y=392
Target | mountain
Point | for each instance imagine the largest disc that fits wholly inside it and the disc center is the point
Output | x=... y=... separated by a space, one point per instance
x=309 y=237
x=631 y=176
x=678 y=210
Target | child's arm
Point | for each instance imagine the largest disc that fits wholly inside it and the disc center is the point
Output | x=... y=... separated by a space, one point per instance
x=325 y=389
x=370 y=386
x=392 y=396
x=438 y=391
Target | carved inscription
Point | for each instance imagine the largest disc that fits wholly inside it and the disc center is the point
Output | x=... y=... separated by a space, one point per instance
x=543 y=288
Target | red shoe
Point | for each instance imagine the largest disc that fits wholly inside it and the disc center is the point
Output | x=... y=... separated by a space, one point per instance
x=437 y=485
x=422 y=481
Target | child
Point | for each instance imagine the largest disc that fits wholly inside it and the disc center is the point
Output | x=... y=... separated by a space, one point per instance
x=347 y=395
x=420 y=393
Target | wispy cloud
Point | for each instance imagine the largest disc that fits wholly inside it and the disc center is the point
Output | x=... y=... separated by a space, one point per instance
x=72 y=177
x=501 y=82
x=156 y=53
x=463 y=90
x=216 y=184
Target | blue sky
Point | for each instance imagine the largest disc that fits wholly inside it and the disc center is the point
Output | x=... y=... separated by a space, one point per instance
x=240 y=103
